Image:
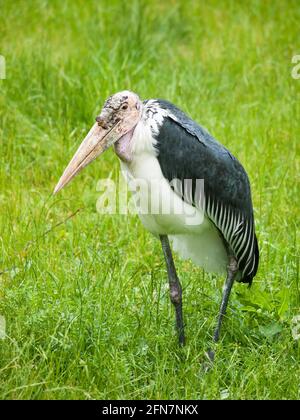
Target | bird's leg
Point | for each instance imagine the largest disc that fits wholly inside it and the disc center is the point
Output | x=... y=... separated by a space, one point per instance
x=232 y=269
x=175 y=287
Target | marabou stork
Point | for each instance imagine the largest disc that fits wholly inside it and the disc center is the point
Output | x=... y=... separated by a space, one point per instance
x=155 y=140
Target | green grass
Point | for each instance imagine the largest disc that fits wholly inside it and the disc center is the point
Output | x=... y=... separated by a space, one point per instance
x=86 y=299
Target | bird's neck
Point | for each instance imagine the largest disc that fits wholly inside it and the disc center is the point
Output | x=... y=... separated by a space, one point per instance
x=136 y=143
x=123 y=147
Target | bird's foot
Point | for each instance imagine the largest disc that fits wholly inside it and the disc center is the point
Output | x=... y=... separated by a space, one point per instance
x=210 y=355
x=209 y=362
x=181 y=338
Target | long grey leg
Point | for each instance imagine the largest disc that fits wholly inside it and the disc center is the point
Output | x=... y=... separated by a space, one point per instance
x=231 y=272
x=175 y=287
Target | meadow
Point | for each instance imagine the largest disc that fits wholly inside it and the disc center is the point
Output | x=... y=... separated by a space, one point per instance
x=84 y=295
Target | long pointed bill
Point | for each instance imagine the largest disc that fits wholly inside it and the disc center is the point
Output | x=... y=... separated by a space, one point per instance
x=95 y=143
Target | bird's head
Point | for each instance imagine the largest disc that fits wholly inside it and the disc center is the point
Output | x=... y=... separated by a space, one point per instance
x=119 y=116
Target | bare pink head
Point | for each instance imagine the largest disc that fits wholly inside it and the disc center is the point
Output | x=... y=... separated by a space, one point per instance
x=114 y=125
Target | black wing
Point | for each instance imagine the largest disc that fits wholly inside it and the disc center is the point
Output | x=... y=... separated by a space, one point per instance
x=187 y=151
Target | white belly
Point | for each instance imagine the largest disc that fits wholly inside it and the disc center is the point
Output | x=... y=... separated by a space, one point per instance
x=163 y=212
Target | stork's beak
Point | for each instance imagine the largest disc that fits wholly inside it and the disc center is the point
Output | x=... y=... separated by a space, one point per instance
x=96 y=142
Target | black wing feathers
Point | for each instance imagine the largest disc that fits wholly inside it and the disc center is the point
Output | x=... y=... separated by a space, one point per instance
x=187 y=151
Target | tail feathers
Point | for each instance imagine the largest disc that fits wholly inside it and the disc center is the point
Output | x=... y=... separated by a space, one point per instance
x=248 y=277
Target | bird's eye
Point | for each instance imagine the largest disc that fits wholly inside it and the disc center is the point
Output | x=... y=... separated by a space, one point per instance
x=125 y=106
